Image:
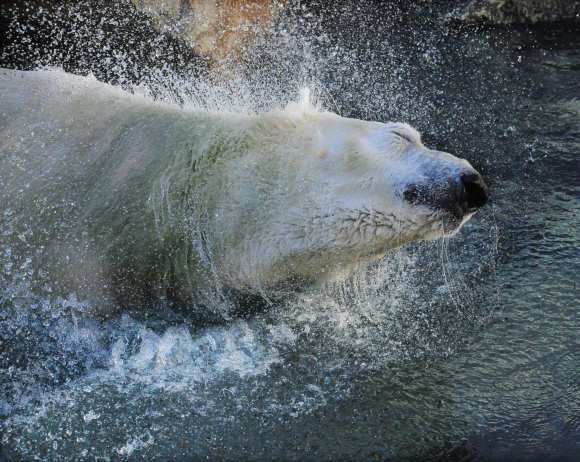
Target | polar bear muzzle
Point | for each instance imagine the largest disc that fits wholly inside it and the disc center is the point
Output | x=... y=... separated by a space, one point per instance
x=458 y=196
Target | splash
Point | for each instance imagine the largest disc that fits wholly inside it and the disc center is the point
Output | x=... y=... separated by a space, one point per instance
x=81 y=386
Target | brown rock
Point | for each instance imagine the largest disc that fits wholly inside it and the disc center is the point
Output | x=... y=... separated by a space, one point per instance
x=221 y=30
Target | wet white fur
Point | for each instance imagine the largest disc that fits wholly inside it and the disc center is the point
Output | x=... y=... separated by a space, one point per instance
x=117 y=188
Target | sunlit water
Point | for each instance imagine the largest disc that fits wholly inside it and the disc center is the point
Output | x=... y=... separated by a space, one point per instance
x=460 y=348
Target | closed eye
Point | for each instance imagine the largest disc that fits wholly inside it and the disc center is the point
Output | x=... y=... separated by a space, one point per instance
x=404 y=135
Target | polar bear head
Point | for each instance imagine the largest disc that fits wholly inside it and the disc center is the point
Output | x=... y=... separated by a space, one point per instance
x=328 y=193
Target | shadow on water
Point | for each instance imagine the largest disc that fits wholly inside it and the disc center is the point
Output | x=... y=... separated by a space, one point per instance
x=109 y=39
x=458 y=350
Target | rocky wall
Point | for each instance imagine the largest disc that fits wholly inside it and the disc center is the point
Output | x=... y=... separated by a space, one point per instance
x=503 y=12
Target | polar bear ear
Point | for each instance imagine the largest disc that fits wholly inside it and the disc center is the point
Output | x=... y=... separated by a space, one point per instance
x=304 y=102
x=303 y=105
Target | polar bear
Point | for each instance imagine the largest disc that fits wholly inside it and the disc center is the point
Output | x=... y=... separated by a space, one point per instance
x=114 y=196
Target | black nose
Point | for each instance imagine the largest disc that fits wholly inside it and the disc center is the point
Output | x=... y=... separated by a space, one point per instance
x=460 y=196
x=474 y=192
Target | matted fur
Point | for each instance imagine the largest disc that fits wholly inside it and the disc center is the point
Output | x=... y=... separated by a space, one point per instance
x=120 y=197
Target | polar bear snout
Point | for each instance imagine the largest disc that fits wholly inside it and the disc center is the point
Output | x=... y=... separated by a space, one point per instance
x=458 y=196
x=474 y=193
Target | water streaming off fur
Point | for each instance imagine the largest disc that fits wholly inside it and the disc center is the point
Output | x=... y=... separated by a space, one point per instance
x=446 y=348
